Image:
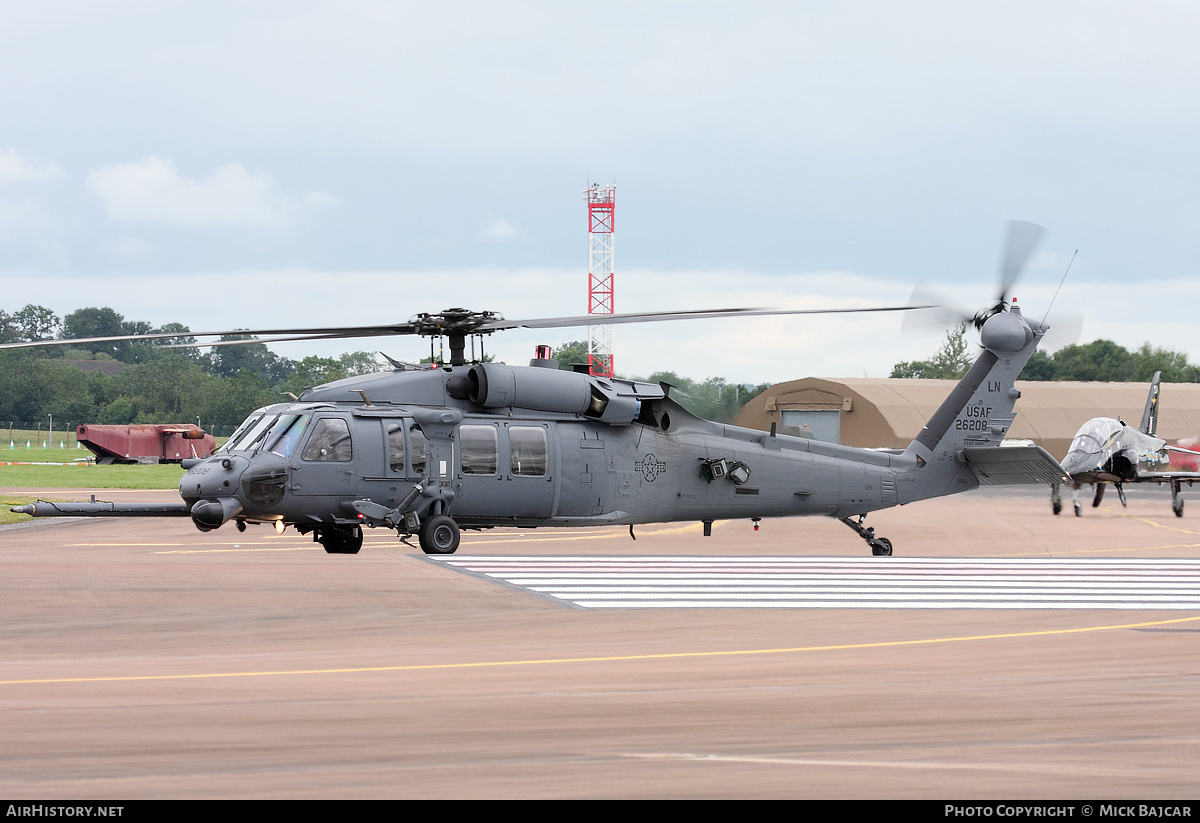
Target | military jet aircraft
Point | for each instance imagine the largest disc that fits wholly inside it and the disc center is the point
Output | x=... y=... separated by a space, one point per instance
x=435 y=449
x=1106 y=450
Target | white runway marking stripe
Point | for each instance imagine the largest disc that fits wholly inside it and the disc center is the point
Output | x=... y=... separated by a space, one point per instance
x=612 y=582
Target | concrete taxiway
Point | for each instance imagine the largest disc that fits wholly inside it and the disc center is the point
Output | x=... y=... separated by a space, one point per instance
x=141 y=658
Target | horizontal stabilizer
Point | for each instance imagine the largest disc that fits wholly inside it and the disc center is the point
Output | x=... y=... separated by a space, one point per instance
x=1012 y=465
x=1167 y=477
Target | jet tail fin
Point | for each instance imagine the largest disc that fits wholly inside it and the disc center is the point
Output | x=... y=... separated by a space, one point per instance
x=1150 y=414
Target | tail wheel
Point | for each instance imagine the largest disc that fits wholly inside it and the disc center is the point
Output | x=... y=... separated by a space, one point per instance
x=439 y=535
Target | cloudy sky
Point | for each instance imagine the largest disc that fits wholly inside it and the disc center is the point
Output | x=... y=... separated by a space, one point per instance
x=319 y=162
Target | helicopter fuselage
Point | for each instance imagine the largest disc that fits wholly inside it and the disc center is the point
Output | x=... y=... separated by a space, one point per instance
x=306 y=463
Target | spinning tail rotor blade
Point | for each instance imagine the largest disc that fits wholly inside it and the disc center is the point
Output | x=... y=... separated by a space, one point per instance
x=1066 y=331
x=1018 y=248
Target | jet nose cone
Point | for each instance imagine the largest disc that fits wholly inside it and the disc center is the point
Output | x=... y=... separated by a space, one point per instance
x=1078 y=462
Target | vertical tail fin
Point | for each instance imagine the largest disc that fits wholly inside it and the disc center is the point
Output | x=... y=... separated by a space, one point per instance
x=1150 y=414
x=977 y=414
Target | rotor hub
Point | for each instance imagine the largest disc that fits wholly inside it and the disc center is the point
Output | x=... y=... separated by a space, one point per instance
x=451 y=322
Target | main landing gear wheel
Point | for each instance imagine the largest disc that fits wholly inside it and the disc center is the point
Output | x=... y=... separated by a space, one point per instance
x=1176 y=498
x=882 y=547
x=439 y=535
x=342 y=539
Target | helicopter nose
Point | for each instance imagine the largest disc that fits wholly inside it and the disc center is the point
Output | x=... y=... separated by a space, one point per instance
x=211 y=488
x=214 y=477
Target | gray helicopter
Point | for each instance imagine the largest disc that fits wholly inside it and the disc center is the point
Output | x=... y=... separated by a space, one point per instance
x=432 y=450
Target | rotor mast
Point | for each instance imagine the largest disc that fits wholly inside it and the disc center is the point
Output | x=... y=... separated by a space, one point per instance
x=601 y=224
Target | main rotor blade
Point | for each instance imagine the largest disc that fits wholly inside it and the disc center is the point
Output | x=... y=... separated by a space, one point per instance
x=265 y=340
x=430 y=326
x=659 y=316
x=332 y=332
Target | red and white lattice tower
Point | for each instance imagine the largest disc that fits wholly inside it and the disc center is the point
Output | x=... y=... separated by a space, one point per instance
x=601 y=223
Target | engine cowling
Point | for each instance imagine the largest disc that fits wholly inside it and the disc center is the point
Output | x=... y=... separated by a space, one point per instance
x=618 y=402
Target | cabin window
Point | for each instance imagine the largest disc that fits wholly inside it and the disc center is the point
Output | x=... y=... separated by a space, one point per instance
x=527 y=451
x=416 y=443
x=330 y=442
x=478 y=447
x=398 y=449
x=395 y=441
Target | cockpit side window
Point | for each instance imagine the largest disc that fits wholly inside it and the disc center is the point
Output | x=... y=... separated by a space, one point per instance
x=252 y=439
x=329 y=442
x=242 y=430
x=286 y=433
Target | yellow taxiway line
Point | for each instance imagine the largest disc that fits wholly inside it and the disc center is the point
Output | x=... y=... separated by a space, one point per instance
x=607 y=659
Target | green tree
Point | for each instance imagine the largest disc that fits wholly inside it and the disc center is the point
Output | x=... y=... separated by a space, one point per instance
x=17 y=385
x=98 y=322
x=36 y=323
x=230 y=361
x=1174 y=365
x=714 y=399
x=313 y=371
x=166 y=389
x=1039 y=367
x=118 y=412
x=232 y=400
x=9 y=333
x=950 y=362
x=571 y=354
x=1100 y=360
x=360 y=362
x=61 y=389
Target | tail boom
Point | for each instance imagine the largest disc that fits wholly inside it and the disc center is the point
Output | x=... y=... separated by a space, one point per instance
x=954 y=452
